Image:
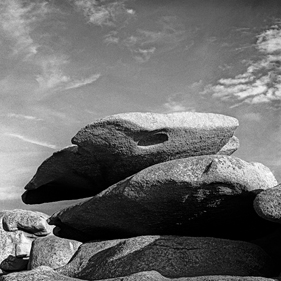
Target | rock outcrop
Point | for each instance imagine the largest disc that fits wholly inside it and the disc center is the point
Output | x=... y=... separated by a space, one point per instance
x=168 y=202
x=118 y=146
x=192 y=196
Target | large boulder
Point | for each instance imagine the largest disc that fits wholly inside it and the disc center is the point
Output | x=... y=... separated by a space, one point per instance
x=118 y=146
x=171 y=256
x=18 y=229
x=52 y=251
x=197 y=196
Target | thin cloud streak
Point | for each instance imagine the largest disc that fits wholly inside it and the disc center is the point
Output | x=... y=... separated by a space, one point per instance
x=21 y=116
x=83 y=82
x=32 y=141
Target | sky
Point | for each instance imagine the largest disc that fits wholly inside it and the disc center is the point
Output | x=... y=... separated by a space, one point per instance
x=66 y=63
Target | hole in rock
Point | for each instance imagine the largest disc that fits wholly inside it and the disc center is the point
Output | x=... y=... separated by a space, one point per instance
x=153 y=139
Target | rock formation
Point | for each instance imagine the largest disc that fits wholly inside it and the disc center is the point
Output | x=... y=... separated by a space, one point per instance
x=118 y=146
x=190 y=196
x=18 y=229
x=168 y=202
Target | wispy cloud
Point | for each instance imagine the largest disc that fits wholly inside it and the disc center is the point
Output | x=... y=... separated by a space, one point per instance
x=261 y=82
x=174 y=106
x=104 y=12
x=53 y=77
x=170 y=34
x=167 y=35
x=18 y=19
x=18 y=22
x=52 y=74
x=21 y=116
x=82 y=82
x=143 y=55
x=32 y=141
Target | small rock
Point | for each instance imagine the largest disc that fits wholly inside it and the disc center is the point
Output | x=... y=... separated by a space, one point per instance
x=52 y=251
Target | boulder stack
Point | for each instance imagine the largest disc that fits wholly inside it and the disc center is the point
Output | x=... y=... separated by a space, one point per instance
x=168 y=202
x=113 y=148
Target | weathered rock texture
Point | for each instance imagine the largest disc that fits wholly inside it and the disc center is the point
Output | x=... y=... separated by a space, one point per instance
x=42 y=273
x=268 y=204
x=18 y=229
x=118 y=146
x=171 y=256
x=169 y=204
x=29 y=221
x=230 y=147
x=197 y=196
x=52 y=251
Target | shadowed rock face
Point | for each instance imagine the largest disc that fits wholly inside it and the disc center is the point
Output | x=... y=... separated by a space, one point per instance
x=197 y=196
x=171 y=256
x=56 y=179
x=118 y=146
